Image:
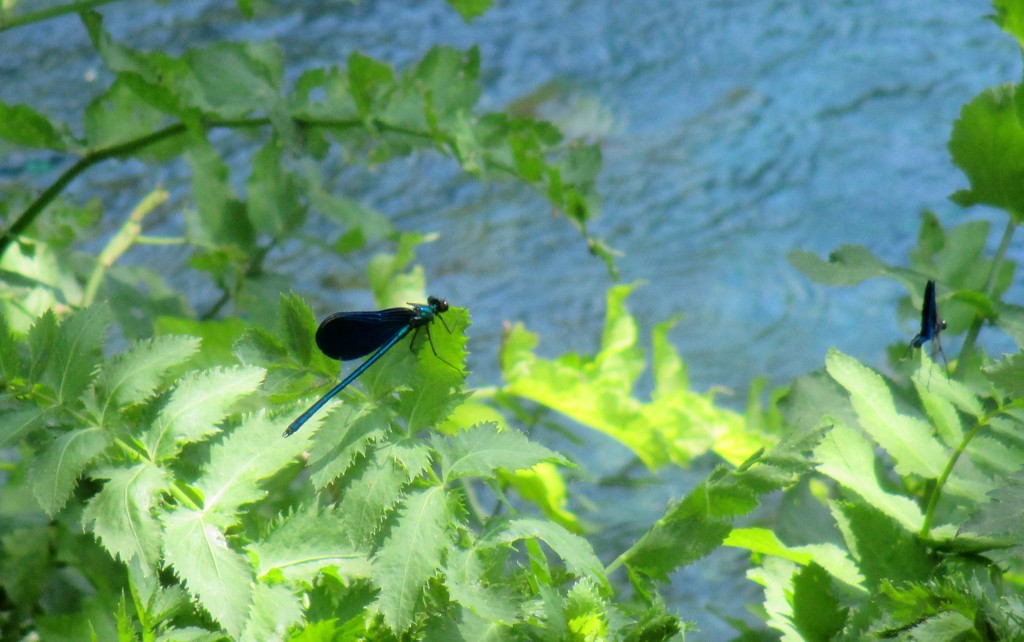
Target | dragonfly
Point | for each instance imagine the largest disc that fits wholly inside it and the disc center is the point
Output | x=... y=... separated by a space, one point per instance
x=931 y=323
x=350 y=335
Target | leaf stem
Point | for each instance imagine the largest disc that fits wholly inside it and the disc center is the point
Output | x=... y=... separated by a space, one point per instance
x=11 y=22
x=127 y=236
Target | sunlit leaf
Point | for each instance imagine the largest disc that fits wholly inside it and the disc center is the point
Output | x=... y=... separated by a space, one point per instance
x=848 y=458
x=411 y=555
x=987 y=144
x=55 y=472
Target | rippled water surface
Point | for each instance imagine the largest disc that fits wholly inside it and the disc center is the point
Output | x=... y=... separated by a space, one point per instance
x=732 y=132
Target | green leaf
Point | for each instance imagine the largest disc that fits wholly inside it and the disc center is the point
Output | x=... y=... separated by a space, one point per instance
x=482 y=450
x=42 y=343
x=828 y=557
x=676 y=425
x=347 y=433
x=848 y=458
x=78 y=351
x=239 y=462
x=1010 y=18
x=376 y=486
x=544 y=486
x=909 y=440
x=274 y=193
x=1008 y=374
x=370 y=81
x=228 y=79
x=299 y=326
x=23 y=125
x=219 y=219
x=1002 y=516
x=199 y=402
x=817 y=613
x=19 y=422
x=121 y=513
x=465 y=577
x=134 y=375
x=118 y=115
x=885 y=551
x=218 y=576
x=56 y=470
x=847 y=265
x=411 y=555
x=987 y=144
x=274 y=609
x=470 y=9
x=308 y=542
x=450 y=80
x=575 y=551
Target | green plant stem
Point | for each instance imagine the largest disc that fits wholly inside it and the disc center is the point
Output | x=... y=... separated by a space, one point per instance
x=28 y=216
x=11 y=22
x=975 y=329
x=136 y=145
x=933 y=500
x=121 y=242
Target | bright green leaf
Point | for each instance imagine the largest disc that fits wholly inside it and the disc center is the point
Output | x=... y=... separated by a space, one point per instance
x=121 y=513
x=848 y=458
x=78 y=351
x=199 y=402
x=134 y=375
x=827 y=556
x=306 y=543
x=219 y=577
x=482 y=450
x=987 y=144
x=250 y=453
x=411 y=555
x=575 y=551
x=56 y=470
x=676 y=425
x=908 y=439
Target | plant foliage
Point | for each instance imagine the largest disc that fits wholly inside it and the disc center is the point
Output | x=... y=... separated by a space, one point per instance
x=146 y=492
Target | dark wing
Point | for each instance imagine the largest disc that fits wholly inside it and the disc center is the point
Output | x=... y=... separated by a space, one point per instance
x=929 y=312
x=350 y=335
x=929 y=317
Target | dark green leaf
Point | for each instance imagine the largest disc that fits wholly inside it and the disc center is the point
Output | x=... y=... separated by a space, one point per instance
x=274 y=205
x=370 y=82
x=817 y=613
x=23 y=125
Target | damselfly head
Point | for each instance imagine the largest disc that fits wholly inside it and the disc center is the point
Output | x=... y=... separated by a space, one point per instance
x=438 y=304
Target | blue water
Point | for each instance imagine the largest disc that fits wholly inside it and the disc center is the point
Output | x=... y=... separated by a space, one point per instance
x=732 y=132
